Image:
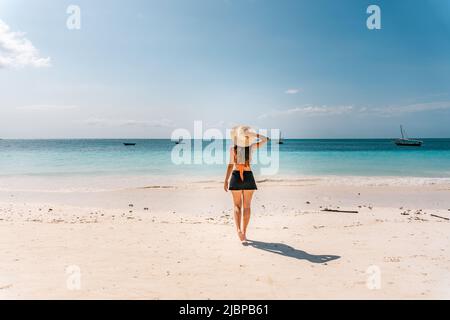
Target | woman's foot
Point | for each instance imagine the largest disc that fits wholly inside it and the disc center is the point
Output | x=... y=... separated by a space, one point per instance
x=241 y=236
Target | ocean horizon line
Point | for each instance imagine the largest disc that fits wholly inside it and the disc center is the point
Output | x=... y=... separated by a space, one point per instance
x=284 y=139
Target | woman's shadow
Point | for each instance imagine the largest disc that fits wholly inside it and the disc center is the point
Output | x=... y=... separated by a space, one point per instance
x=288 y=251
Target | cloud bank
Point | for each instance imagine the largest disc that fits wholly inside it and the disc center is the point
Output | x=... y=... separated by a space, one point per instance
x=165 y=123
x=389 y=111
x=309 y=111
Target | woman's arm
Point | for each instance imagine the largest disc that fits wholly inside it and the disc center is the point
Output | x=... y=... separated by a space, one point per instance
x=229 y=170
x=262 y=140
x=227 y=176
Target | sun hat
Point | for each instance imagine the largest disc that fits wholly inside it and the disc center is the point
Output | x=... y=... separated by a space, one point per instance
x=242 y=136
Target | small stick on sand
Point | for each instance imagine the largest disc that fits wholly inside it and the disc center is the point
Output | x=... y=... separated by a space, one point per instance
x=344 y=211
x=434 y=215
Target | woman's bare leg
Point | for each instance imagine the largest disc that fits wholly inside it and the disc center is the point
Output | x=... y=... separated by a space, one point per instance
x=248 y=194
x=237 y=201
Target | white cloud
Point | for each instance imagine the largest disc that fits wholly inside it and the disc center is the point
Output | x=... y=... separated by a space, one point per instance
x=17 y=51
x=309 y=111
x=46 y=107
x=389 y=111
x=418 y=107
x=167 y=123
x=293 y=91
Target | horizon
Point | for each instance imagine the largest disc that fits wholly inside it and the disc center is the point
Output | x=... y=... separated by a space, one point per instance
x=125 y=139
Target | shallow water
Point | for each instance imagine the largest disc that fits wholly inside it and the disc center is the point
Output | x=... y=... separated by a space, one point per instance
x=368 y=157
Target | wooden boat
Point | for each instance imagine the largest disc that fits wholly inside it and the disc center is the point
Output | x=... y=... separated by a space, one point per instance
x=405 y=141
x=129 y=144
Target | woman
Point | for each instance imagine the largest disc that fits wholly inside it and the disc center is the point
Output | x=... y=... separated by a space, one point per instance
x=242 y=183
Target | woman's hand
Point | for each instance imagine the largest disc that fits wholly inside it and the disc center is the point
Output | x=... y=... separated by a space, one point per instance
x=225 y=186
x=262 y=140
x=260 y=136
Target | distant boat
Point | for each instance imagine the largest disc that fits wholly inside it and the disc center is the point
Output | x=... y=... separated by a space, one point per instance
x=280 y=140
x=129 y=144
x=405 y=141
x=179 y=141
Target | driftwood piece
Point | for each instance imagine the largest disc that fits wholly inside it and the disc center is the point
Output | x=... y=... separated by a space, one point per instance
x=343 y=211
x=435 y=215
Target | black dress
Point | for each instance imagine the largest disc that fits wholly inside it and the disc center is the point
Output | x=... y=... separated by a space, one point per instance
x=247 y=181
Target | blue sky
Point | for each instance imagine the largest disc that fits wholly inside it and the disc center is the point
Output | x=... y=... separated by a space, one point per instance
x=144 y=68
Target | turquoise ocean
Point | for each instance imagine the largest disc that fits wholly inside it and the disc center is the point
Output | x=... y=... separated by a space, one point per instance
x=297 y=157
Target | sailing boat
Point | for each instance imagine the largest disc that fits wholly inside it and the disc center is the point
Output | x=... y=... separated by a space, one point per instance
x=405 y=141
x=280 y=141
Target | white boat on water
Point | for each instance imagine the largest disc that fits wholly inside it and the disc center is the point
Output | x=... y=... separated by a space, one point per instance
x=405 y=141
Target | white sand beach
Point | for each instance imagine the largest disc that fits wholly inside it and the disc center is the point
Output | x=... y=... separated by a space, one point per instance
x=178 y=241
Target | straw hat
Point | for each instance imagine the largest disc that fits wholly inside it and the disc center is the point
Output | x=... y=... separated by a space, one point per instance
x=243 y=136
